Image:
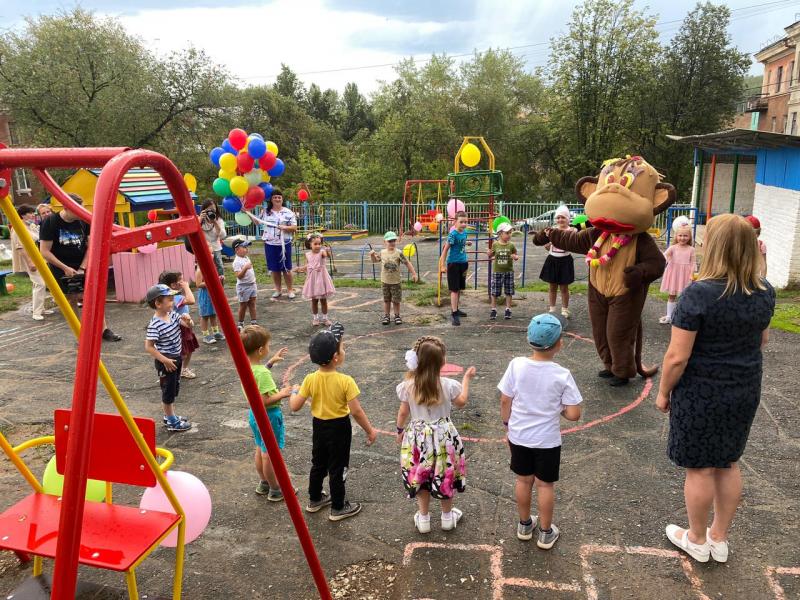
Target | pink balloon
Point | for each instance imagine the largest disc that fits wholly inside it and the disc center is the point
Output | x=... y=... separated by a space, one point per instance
x=454 y=206
x=193 y=497
x=417 y=226
x=148 y=248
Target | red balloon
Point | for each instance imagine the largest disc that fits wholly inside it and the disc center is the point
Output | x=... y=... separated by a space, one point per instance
x=152 y=215
x=267 y=161
x=245 y=162
x=302 y=195
x=253 y=197
x=237 y=138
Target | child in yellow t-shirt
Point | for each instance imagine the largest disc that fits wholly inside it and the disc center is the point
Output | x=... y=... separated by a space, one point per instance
x=334 y=397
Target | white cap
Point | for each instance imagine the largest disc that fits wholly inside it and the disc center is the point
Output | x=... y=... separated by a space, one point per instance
x=504 y=227
x=562 y=210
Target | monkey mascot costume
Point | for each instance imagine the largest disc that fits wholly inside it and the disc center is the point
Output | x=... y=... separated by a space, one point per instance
x=623 y=259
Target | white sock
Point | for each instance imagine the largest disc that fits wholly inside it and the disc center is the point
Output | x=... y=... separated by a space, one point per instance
x=670 y=308
x=447 y=516
x=424 y=517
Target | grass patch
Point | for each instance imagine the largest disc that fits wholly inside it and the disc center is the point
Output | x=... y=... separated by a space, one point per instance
x=467 y=427
x=20 y=295
x=787 y=317
x=424 y=295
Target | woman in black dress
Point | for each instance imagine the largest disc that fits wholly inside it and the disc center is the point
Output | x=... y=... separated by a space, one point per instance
x=711 y=381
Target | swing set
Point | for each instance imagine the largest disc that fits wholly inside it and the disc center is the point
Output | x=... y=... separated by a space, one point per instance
x=417 y=209
x=114 y=448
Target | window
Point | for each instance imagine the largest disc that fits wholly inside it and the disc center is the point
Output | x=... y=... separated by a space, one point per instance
x=793 y=131
x=780 y=78
x=791 y=73
x=767 y=89
x=21 y=182
x=774 y=119
x=785 y=123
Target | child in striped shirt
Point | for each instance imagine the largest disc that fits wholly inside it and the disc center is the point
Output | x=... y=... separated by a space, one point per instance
x=163 y=343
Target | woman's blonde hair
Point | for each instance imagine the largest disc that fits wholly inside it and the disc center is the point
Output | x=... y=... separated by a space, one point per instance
x=731 y=253
x=430 y=360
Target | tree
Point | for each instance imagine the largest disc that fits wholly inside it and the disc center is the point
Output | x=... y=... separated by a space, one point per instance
x=596 y=69
x=323 y=106
x=315 y=173
x=355 y=112
x=288 y=85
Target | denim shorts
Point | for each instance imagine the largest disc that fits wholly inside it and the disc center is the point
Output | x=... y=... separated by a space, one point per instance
x=276 y=420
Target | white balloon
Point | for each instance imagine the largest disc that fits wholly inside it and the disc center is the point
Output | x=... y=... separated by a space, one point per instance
x=253 y=177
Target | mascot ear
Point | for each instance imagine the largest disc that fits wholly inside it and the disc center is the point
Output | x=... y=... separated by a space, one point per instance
x=664 y=197
x=585 y=187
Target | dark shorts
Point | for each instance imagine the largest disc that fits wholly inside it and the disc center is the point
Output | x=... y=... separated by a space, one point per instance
x=457 y=276
x=170 y=382
x=541 y=462
x=502 y=282
x=392 y=292
x=278 y=262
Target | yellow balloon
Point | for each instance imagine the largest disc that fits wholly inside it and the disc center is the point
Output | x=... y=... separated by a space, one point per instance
x=265 y=176
x=239 y=186
x=272 y=147
x=470 y=155
x=409 y=251
x=227 y=162
x=191 y=182
x=223 y=174
x=53 y=484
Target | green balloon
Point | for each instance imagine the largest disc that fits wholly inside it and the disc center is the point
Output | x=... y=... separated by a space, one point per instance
x=222 y=187
x=53 y=484
x=579 y=220
x=242 y=219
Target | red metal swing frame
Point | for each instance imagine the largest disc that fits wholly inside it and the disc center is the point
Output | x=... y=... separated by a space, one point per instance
x=107 y=238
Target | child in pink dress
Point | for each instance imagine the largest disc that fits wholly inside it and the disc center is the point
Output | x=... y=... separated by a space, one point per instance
x=319 y=285
x=680 y=269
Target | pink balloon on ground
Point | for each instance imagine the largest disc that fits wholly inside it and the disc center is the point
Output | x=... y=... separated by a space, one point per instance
x=454 y=206
x=192 y=495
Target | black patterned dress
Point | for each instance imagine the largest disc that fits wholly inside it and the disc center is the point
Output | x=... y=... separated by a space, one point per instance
x=714 y=403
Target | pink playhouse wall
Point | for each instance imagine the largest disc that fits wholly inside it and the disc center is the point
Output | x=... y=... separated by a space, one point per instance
x=136 y=272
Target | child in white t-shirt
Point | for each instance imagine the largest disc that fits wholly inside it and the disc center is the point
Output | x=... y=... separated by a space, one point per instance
x=534 y=393
x=246 y=288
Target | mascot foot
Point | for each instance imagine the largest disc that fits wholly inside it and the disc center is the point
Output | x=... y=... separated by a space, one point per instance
x=615 y=381
x=605 y=374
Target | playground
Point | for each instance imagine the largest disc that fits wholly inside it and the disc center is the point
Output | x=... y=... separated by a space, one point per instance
x=617 y=488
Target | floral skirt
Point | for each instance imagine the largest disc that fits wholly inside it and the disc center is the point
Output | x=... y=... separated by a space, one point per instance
x=432 y=459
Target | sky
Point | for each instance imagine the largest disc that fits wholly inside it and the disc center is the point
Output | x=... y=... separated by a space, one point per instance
x=332 y=42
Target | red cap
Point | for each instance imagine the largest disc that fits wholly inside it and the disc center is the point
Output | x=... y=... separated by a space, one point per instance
x=753 y=221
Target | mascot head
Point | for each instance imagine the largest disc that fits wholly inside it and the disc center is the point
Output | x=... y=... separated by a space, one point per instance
x=625 y=197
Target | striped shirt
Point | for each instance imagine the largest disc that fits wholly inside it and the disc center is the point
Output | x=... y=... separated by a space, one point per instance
x=166 y=335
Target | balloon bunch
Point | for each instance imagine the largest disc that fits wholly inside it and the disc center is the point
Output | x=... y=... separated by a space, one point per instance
x=246 y=164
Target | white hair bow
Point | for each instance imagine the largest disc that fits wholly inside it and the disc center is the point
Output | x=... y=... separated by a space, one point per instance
x=412 y=361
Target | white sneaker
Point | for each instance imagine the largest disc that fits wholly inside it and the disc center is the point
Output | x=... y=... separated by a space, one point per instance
x=276 y=294
x=450 y=523
x=665 y=320
x=292 y=296
x=48 y=312
x=719 y=550
x=552 y=310
x=565 y=313
x=699 y=552
x=38 y=318
x=423 y=525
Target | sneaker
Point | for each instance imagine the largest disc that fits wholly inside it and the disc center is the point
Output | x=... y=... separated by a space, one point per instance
x=461 y=313
x=240 y=325
x=507 y=314
x=719 y=550
x=545 y=541
x=315 y=320
x=178 y=425
x=385 y=320
x=165 y=418
x=423 y=525
x=314 y=505
x=219 y=336
x=209 y=339
x=525 y=532
x=263 y=488
x=618 y=381
x=48 y=312
x=552 y=310
x=455 y=320
x=188 y=374
x=398 y=320
x=326 y=321
x=605 y=374
x=493 y=314
x=452 y=521
x=276 y=295
x=665 y=320
x=253 y=322
x=110 y=336
x=348 y=510
x=276 y=495
x=699 y=552
x=292 y=296
x=38 y=318
x=565 y=313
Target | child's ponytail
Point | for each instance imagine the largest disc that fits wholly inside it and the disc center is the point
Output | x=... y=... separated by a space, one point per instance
x=429 y=352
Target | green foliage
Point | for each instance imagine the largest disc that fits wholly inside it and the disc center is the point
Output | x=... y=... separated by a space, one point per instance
x=787 y=318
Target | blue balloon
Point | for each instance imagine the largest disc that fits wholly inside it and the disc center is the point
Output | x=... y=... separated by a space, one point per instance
x=257 y=135
x=215 y=154
x=257 y=148
x=226 y=145
x=278 y=169
x=231 y=204
x=267 y=187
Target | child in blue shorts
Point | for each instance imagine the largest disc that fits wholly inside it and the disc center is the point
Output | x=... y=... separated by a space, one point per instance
x=255 y=340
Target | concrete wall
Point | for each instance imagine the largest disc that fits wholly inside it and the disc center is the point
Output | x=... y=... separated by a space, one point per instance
x=723 y=180
x=778 y=209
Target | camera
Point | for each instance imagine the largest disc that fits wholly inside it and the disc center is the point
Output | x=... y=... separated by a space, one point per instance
x=208 y=215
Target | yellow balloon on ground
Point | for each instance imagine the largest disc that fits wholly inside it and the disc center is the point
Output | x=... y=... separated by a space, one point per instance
x=53 y=484
x=470 y=155
x=223 y=174
x=272 y=147
x=239 y=186
x=191 y=182
x=409 y=250
x=227 y=162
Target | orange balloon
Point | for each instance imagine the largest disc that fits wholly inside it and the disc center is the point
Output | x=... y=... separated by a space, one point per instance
x=10 y=287
x=433 y=227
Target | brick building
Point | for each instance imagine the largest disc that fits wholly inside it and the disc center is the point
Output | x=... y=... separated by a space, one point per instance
x=24 y=189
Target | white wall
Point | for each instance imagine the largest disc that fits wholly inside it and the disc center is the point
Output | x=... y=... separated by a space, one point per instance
x=778 y=209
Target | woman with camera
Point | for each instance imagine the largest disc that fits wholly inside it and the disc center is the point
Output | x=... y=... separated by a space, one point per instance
x=214 y=229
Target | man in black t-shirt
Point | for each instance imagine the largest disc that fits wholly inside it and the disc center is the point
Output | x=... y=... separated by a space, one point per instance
x=64 y=243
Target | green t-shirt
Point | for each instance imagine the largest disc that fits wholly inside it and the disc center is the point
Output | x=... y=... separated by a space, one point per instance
x=503 y=263
x=265 y=382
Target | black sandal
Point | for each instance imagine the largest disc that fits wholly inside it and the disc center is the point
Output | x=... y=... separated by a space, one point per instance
x=385 y=320
x=398 y=320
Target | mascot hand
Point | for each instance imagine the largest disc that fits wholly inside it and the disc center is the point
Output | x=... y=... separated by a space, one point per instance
x=542 y=237
x=633 y=277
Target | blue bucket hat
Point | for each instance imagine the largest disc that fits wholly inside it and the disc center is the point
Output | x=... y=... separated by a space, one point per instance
x=544 y=331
